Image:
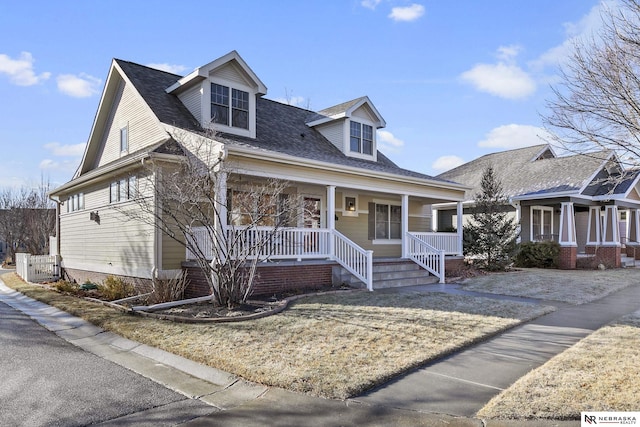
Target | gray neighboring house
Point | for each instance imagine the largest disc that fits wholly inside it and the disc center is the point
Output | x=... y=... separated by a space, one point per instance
x=587 y=202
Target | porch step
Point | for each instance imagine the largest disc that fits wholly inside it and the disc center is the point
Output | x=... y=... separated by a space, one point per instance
x=627 y=262
x=390 y=274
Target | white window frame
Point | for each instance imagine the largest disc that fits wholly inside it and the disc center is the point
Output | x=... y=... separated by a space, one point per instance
x=386 y=241
x=124 y=139
x=542 y=224
x=123 y=189
x=230 y=106
x=360 y=152
x=75 y=202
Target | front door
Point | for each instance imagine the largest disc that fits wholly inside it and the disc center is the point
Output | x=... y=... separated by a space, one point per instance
x=311 y=216
x=312 y=213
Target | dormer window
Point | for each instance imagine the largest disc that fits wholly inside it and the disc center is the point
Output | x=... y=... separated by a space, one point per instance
x=222 y=109
x=361 y=138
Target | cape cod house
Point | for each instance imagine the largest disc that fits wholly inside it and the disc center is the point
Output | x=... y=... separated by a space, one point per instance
x=360 y=199
x=587 y=203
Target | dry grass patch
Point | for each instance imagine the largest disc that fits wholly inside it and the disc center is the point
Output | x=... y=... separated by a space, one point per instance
x=335 y=345
x=571 y=286
x=600 y=373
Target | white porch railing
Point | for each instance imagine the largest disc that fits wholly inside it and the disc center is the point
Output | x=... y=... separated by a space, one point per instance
x=426 y=249
x=264 y=243
x=426 y=256
x=290 y=243
x=356 y=260
x=447 y=242
x=38 y=268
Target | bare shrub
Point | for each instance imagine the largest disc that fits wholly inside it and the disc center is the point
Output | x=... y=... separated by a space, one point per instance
x=114 y=288
x=68 y=287
x=167 y=290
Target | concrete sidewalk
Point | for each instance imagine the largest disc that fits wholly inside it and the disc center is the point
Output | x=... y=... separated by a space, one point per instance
x=447 y=392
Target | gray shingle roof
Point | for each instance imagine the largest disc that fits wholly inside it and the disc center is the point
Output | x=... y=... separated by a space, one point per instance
x=522 y=175
x=280 y=128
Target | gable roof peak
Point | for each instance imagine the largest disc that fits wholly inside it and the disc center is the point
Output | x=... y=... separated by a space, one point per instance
x=345 y=110
x=202 y=73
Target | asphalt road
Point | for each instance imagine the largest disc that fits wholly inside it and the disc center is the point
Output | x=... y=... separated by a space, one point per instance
x=45 y=380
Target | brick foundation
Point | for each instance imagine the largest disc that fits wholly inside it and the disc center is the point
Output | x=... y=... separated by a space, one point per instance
x=82 y=276
x=271 y=278
x=453 y=265
x=607 y=255
x=567 y=258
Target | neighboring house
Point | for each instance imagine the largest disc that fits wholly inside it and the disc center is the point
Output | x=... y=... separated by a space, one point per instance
x=330 y=158
x=582 y=201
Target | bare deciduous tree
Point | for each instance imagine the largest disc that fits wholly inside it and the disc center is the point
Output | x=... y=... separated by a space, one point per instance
x=27 y=219
x=597 y=103
x=187 y=198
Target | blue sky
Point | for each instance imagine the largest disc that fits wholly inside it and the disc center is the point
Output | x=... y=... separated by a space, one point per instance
x=454 y=80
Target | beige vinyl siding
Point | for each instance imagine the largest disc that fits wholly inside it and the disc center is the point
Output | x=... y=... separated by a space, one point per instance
x=143 y=128
x=116 y=245
x=363 y=113
x=192 y=99
x=334 y=132
x=431 y=193
x=419 y=223
x=173 y=253
x=231 y=73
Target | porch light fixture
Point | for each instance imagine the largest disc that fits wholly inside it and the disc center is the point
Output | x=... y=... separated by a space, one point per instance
x=350 y=203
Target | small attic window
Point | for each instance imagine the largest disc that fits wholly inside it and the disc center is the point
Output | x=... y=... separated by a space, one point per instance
x=361 y=140
x=222 y=110
x=124 y=139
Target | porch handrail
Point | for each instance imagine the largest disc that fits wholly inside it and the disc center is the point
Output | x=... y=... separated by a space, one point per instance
x=283 y=243
x=448 y=242
x=353 y=258
x=426 y=256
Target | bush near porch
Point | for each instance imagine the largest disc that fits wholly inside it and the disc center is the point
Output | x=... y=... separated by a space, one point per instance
x=537 y=255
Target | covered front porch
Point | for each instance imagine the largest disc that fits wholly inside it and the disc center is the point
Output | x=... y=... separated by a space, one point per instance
x=603 y=231
x=347 y=225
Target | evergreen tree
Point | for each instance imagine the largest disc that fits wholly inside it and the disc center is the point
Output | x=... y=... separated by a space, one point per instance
x=491 y=235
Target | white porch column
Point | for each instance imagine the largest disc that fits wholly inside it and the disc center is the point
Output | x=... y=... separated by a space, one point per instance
x=594 y=229
x=434 y=219
x=611 y=228
x=331 y=216
x=567 y=235
x=633 y=225
x=220 y=222
x=404 y=209
x=459 y=226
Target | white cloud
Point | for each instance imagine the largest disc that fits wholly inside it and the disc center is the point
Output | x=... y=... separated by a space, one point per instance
x=80 y=86
x=514 y=136
x=583 y=30
x=445 y=163
x=388 y=142
x=20 y=71
x=370 y=4
x=66 y=150
x=53 y=165
x=504 y=79
x=408 y=13
x=169 y=68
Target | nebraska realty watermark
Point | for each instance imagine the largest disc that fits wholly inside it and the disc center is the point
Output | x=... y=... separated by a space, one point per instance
x=609 y=418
